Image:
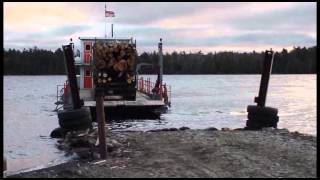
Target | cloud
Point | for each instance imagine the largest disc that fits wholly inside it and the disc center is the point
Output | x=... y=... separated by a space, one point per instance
x=253 y=39
x=182 y=25
x=299 y=17
x=32 y=17
x=150 y=35
x=52 y=38
x=139 y=13
x=217 y=13
x=68 y=30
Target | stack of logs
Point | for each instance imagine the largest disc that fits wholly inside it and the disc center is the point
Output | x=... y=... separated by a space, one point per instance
x=118 y=58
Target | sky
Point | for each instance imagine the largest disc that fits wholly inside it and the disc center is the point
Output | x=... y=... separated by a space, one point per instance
x=183 y=26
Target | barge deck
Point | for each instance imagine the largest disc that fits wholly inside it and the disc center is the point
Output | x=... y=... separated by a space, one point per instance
x=141 y=100
x=142 y=108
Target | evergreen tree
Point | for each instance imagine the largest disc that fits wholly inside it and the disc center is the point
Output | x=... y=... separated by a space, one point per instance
x=35 y=61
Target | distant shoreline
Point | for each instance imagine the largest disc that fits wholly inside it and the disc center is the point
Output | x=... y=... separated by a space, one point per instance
x=298 y=60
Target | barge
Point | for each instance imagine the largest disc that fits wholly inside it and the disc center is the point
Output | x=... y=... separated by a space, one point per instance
x=138 y=98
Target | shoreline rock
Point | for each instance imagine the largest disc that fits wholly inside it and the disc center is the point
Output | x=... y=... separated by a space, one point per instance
x=194 y=153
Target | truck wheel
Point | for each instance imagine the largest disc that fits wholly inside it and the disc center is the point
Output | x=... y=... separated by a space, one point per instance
x=253 y=109
x=75 y=113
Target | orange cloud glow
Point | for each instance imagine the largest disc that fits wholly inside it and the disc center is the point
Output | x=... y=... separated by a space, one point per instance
x=28 y=17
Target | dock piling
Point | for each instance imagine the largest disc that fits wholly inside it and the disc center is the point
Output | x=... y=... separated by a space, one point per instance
x=260 y=116
x=71 y=72
x=267 y=68
x=101 y=125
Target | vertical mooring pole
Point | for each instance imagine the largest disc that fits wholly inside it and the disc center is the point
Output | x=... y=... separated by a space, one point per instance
x=160 y=62
x=261 y=116
x=142 y=84
x=71 y=72
x=267 y=68
x=101 y=124
x=112 y=30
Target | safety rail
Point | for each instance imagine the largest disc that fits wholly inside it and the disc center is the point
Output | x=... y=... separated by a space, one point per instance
x=148 y=87
x=62 y=96
x=144 y=86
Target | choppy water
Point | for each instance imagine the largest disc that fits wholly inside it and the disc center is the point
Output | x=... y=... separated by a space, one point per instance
x=198 y=101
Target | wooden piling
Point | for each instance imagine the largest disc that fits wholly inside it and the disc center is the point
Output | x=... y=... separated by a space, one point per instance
x=261 y=116
x=71 y=72
x=101 y=125
x=148 y=85
x=4 y=163
x=267 y=68
x=160 y=62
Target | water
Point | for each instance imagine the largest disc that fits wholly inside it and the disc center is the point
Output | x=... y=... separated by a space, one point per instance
x=198 y=101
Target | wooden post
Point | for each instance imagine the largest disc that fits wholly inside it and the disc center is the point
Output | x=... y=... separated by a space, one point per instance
x=4 y=163
x=71 y=72
x=267 y=68
x=148 y=85
x=142 y=84
x=112 y=30
x=147 y=82
x=160 y=62
x=161 y=92
x=101 y=125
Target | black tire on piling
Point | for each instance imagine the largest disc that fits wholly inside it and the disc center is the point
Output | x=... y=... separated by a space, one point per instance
x=93 y=114
x=252 y=125
x=253 y=109
x=76 y=124
x=74 y=113
x=258 y=121
x=58 y=133
x=266 y=119
x=75 y=119
x=256 y=125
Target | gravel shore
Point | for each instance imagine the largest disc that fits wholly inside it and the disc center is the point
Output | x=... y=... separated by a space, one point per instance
x=196 y=153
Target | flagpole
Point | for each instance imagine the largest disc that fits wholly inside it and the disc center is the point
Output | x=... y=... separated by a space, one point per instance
x=108 y=14
x=112 y=30
x=105 y=22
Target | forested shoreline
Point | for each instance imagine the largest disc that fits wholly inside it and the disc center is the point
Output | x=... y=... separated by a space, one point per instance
x=300 y=60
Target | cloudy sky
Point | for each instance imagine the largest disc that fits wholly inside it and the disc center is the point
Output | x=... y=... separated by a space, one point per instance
x=209 y=26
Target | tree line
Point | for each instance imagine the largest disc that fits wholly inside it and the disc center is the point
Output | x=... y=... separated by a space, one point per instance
x=36 y=61
x=33 y=61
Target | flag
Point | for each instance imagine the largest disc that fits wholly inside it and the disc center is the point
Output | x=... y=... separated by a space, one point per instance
x=109 y=14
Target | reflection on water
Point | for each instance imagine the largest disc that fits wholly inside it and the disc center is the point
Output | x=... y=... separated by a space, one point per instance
x=198 y=101
x=203 y=101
